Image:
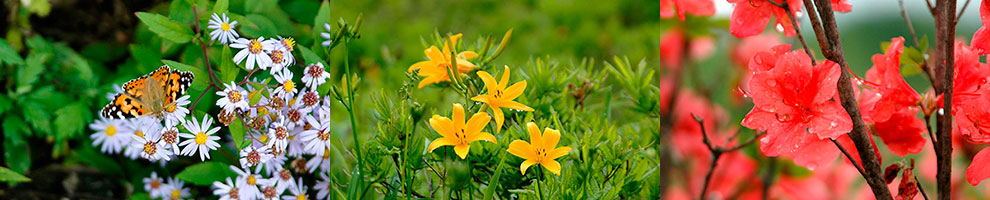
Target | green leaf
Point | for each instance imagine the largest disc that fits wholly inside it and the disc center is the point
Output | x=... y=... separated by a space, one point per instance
x=493 y=183
x=199 y=82
x=910 y=69
x=74 y=61
x=8 y=175
x=14 y=130
x=5 y=104
x=28 y=74
x=237 y=131
x=354 y=188
x=15 y=149
x=181 y=11
x=228 y=70
x=141 y=196
x=258 y=25
x=8 y=54
x=35 y=114
x=70 y=120
x=309 y=56
x=221 y=6
x=923 y=46
x=165 y=28
x=205 y=173
x=146 y=58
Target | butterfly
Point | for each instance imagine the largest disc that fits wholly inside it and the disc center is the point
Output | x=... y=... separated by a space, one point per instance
x=149 y=95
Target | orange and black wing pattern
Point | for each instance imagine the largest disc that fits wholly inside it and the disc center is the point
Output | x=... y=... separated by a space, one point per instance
x=135 y=99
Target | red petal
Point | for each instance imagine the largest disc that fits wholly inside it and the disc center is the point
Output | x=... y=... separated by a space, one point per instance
x=981 y=40
x=749 y=18
x=903 y=133
x=831 y=122
x=784 y=139
x=841 y=6
x=816 y=153
x=979 y=169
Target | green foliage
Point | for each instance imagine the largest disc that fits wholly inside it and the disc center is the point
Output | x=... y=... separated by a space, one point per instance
x=166 y=28
x=6 y=175
x=205 y=173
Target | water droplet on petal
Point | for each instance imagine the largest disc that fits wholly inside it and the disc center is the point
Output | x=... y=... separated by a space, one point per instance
x=798 y=14
x=833 y=125
x=780 y=28
x=941 y=111
x=772 y=83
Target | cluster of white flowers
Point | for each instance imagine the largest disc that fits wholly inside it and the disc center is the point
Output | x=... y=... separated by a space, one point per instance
x=288 y=126
x=157 y=139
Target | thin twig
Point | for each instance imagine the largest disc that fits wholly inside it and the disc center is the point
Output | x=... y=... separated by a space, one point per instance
x=768 y=177
x=797 y=31
x=193 y=106
x=959 y=16
x=920 y=189
x=849 y=156
x=907 y=20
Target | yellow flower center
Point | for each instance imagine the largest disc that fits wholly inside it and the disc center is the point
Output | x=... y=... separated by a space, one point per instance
x=301 y=197
x=139 y=134
x=254 y=47
x=155 y=184
x=498 y=94
x=251 y=180
x=461 y=137
x=111 y=130
x=150 y=148
x=253 y=158
x=269 y=192
x=277 y=56
x=234 y=95
x=264 y=138
x=289 y=86
x=176 y=194
x=289 y=43
x=170 y=108
x=323 y=135
x=285 y=175
x=281 y=133
x=225 y=26
x=326 y=153
x=170 y=136
x=201 y=138
x=233 y=193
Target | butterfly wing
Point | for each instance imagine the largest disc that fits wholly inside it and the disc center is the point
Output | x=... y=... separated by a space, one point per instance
x=176 y=85
x=123 y=106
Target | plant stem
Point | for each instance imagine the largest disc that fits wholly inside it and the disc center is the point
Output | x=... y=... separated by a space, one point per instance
x=797 y=30
x=944 y=37
x=832 y=49
x=350 y=106
x=539 y=190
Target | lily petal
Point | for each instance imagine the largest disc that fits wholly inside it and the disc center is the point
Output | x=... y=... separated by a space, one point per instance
x=525 y=165
x=522 y=149
x=439 y=142
x=462 y=150
x=551 y=165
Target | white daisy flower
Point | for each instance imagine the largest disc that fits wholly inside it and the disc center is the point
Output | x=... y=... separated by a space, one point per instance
x=229 y=191
x=327 y=35
x=298 y=191
x=200 y=138
x=223 y=29
x=278 y=135
x=147 y=137
x=233 y=97
x=280 y=54
x=247 y=183
x=153 y=185
x=170 y=137
x=318 y=137
x=289 y=45
x=295 y=113
x=309 y=99
x=323 y=187
x=274 y=165
x=253 y=51
x=111 y=135
x=251 y=156
x=177 y=111
x=175 y=190
x=296 y=145
x=268 y=190
x=322 y=162
x=287 y=87
x=315 y=75
x=283 y=179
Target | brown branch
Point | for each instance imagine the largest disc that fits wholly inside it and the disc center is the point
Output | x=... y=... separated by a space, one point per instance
x=944 y=32
x=716 y=151
x=797 y=31
x=860 y=137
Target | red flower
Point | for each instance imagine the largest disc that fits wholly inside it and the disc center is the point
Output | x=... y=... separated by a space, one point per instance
x=979 y=169
x=794 y=105
x=981 y=39
x=887 y=92
x=693 y=7
x=841 y=5
x=749 y=46
x=903 y=133
x=672 y=48
x=971 y=95
x=750 y=17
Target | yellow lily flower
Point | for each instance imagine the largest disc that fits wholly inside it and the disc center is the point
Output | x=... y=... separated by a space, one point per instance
x=458 y=134
x=499 y=96
x=541 y=150
x=435 y=67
